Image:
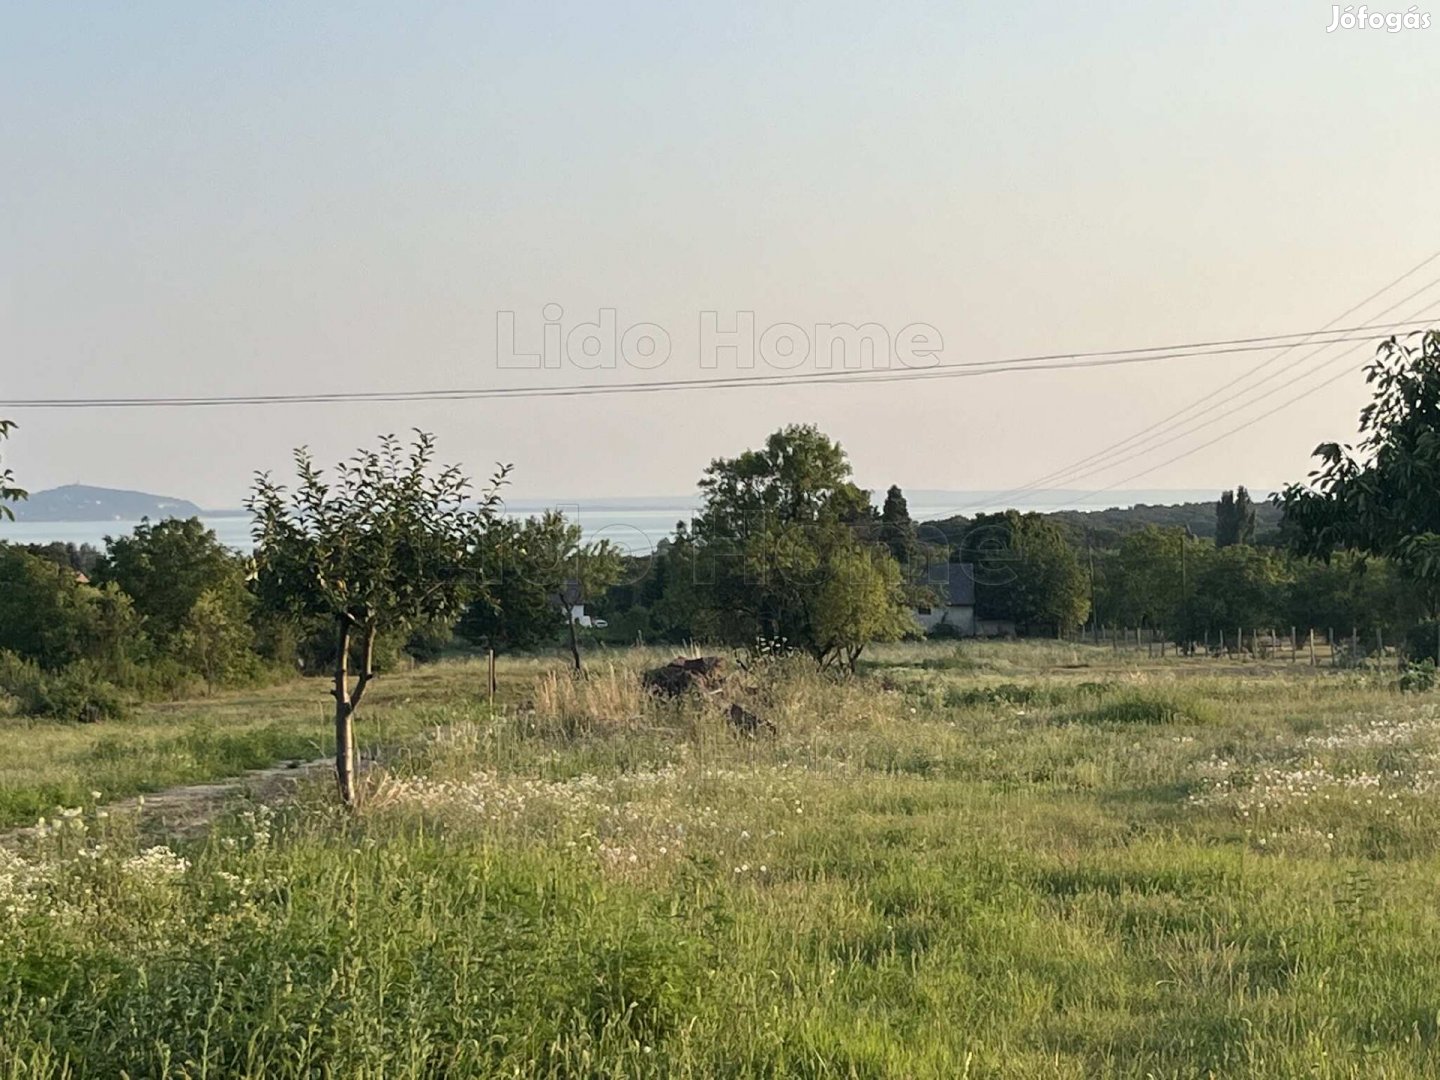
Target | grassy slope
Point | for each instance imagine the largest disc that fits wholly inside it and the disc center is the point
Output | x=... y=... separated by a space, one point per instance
x=986 y=861
x=47 y=765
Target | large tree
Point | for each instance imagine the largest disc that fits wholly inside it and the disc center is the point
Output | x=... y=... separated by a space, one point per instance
x=1237 y=587
x=781 y=545
x=48 y=616
x=167 y=567
x=1144 y=581
x=8 y=491
x=897 y=531
x=1378 y=496
x=388 y=544
x=1234 y=518
x=1026 y=572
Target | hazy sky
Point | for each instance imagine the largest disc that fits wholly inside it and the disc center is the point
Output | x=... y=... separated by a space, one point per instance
x=229 y=199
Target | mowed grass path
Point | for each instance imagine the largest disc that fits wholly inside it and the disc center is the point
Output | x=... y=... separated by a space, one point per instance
x=984 y=861
x=46 y=765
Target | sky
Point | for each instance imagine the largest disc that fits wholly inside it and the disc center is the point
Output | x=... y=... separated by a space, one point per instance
x=230 y=199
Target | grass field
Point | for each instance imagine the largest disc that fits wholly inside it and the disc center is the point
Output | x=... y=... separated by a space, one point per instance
x=976 y=860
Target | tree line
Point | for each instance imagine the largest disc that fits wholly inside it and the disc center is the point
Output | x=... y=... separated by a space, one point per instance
x=393 y=554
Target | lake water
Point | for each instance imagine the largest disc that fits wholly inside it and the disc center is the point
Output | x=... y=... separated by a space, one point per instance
x=634 y=525
x=635 y=531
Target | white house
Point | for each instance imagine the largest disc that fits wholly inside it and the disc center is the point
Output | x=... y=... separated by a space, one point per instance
x=572 y=604
x=956 y=607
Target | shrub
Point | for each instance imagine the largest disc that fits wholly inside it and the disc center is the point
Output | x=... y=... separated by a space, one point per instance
x=945 y=631
x=1004 y=694
x=75 y=693
x=1421 y=640
x=1148 y=707
x=1417 y=678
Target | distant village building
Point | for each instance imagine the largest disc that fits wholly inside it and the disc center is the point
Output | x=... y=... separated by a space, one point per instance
x=955 y=606
x=572 y=605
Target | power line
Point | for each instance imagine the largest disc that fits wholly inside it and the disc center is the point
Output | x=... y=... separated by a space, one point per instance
x=1149 y=445
x=1260 y=367
x=969 y=369
x=1245 y=424
x=1138 y=438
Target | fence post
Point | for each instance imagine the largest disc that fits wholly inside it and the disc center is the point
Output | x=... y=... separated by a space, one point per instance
x=1330 y=637
x=1292 y=644
x=1312 y=646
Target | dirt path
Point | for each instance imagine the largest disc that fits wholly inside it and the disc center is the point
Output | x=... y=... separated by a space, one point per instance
x=183 y=811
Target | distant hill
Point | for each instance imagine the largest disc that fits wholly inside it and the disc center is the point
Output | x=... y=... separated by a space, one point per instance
x=1110 y=526
x=1106 y=528
x=77 y=502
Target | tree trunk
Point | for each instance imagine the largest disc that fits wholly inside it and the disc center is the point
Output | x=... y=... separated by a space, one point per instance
x=574 y=639
x=344 y=717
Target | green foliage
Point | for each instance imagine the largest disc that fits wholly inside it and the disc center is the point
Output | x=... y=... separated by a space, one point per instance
x=8 y=491
x=897 y=531
x=1238 y=586
x=386 y=544
x=1234 y=518
x=519 y=562
x=1148 y=706
x=532 y=571
x=1349 y=592
x=861 y=599
x=1026 y=572
x=215 y=638
x=1107 y=528
x=168 y=568
x=1378 y=497
x=388 y=548
x=77 y=692
x=1422 y=641
x=945 y=631
x=780 y=552
x=82 y=557
x=1140 y=583
x=49 y=617
x=1417 y=678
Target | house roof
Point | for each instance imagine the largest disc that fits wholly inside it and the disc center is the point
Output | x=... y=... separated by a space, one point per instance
x=959 y=588
x=572 y=592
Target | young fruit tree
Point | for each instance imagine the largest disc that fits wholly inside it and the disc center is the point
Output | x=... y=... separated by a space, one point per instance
x=387 y=545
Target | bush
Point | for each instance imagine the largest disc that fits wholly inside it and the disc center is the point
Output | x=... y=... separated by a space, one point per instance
x=1149 y=707
x=1421 y=640
x=945 y=631
x=1417 y=678
x=75 y=693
